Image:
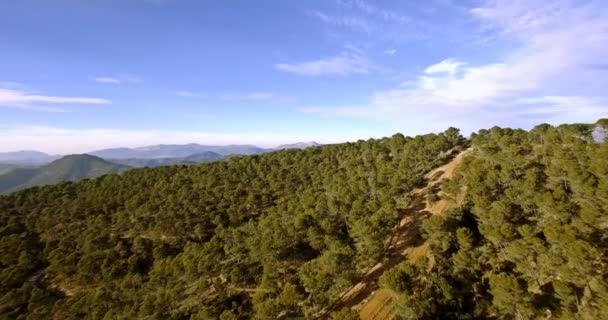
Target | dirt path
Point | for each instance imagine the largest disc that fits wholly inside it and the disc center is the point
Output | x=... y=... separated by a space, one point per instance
x=404 y=241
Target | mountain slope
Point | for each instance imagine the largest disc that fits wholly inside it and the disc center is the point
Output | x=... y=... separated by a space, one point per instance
x=16 y=178
x=68 y=168
x=4 y=167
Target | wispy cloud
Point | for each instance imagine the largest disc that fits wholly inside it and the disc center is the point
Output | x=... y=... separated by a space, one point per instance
x=378 y=23
x=348 y=62
x=387 y=15
x=390 y=52
x=348 y=21
x=553 y=46
x=10 y=84
x=249 y=96
x=28 y=100
x=238 y=96
x=117 y=80
x=106 y=80
x=188 y=93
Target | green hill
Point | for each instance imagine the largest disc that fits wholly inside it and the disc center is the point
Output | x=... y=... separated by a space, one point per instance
x=68 y=168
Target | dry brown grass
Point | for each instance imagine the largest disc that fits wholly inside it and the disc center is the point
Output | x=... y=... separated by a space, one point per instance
x=381 y=306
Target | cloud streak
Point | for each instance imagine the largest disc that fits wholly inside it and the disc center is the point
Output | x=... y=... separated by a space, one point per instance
x=117 y=80
x=346 y=21
x=348 y=62
x=24 y=99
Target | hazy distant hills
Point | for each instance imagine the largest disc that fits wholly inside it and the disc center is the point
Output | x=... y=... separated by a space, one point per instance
x=187 y=150
x=150 y=156
x=202 y=157
x=299 y=145
x=26 y=157
x=68 y=168
x=23 y=169
x=175 y=151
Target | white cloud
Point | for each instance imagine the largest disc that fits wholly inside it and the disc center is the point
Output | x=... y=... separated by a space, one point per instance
x=390 y=52
x=446 y=66
x=64 y=141
x=350 y=61
x=106 y=80
x=117 y=80
x=24 y=99
x=552 y=46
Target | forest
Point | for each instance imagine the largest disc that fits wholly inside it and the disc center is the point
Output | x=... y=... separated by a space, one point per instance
x=530 y=239
x=281 y=235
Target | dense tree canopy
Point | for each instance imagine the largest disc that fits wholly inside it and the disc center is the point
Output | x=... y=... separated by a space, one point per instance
x=530 y=240
x=281 y=235
x=278 y=235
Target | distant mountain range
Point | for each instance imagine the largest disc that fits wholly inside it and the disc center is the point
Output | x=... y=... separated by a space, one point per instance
x=23 y=169
x=202 y=157
x=163 y=154
x=299 y=145
x=68 y=168
x=175 y=151
x=26 y=157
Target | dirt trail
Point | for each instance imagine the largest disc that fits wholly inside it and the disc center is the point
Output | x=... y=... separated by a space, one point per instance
x=404 y=241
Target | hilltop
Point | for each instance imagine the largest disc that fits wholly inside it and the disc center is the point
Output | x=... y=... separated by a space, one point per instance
x=68 y=168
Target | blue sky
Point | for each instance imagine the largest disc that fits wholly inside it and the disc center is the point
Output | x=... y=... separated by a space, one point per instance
x=79 y=75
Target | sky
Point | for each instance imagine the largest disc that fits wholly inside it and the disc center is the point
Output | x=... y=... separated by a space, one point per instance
x=81 y=75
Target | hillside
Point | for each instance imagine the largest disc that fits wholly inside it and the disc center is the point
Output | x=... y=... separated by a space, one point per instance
x=68 y=168
x=4 y=168
x=509 y=224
